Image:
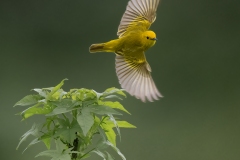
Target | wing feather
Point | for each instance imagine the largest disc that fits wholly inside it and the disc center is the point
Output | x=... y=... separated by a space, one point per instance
x=136 y=11
x=136 y=78
x=142 y=85
x=148 y=91
x=141 y=7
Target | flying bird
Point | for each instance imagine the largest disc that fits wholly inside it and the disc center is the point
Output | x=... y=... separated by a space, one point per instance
x=134 y=38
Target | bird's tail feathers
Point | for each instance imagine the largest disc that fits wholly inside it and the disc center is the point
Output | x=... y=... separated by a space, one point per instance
x=97 y=47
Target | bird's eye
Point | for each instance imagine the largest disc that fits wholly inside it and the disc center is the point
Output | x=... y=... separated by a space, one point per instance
x=147 y=37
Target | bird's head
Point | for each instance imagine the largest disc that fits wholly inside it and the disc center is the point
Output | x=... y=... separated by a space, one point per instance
x=149 y=38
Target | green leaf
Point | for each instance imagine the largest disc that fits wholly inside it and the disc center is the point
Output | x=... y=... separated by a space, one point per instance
x=49 y=153
x=58 y=95
x=60 y=110
x=55 y=89
x=101 y=154
x=47 y=137
x=111 y=118
x=85 y=120
x=102 y=133
x=61 y=152
x=60 y=146
x=112 y=96
x=125 y=124
x=84 y=94
x=34 y=131
x=64 y=122
x=63 y=106
x=109 y=157
x=102 y=110
x=28 y=100
x=48 y=122
x=108 y=124
x=116 y=149
x=68 y=131
x=122 y=124
x=116 y=105
x=49 y=88
x=109 y=132
x=41 y=92
x=47 y=142
x=39 y=108
x=93 y=130
x=67 y=103
x=35 y=141
x=113 y=90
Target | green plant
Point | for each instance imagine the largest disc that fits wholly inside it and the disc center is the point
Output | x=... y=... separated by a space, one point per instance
x=73 y=119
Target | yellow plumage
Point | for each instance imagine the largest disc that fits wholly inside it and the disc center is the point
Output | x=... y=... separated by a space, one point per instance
x=133 y=70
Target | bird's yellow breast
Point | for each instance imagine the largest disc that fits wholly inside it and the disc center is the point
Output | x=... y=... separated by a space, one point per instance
x=133 y=44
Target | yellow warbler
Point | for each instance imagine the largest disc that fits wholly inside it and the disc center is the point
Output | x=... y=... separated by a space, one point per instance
x=132 y=68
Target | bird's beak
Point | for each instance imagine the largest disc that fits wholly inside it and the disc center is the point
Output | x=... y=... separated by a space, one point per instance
x=154 y=39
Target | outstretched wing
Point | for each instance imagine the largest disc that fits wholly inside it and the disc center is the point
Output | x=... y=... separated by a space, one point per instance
x=143 y=11
x=135 y=77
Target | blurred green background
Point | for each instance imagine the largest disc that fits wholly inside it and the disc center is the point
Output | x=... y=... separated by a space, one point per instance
x=195 y=65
